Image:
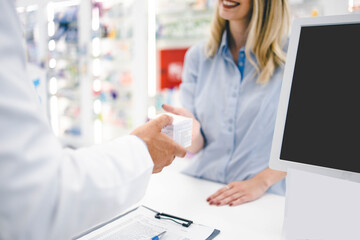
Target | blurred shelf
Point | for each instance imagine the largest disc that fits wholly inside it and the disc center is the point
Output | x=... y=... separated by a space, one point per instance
x=178 y=12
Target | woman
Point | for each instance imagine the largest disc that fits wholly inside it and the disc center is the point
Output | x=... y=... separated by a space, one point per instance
x=231 y=87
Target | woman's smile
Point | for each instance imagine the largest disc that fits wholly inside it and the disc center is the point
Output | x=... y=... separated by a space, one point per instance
x=229 y=4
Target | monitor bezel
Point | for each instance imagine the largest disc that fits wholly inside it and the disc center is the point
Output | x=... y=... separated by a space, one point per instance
x=275 y=161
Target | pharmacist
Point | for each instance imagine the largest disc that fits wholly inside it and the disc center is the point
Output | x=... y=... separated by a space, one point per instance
x=47 y=192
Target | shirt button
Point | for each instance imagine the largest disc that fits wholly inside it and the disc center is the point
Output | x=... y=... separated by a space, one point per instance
x=230 y=129
x=230 y=121
x=234 y=95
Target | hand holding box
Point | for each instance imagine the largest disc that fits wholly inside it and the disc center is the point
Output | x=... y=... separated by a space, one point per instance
x=180 y=130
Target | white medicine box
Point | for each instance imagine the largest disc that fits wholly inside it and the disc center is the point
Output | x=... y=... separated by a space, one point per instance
x=180 y=130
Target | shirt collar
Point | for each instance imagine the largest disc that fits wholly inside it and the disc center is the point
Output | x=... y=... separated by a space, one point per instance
x=224 y=42
x=224 y=46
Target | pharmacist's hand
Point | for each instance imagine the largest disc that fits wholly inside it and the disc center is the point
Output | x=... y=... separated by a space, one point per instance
x=197 y=138
x=236 y=193
x=162 y=148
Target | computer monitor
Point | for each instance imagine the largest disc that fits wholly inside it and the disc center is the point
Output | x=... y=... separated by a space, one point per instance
x=318 y=121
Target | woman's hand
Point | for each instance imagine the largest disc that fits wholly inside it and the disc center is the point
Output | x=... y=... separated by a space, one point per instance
x=197 y=138
x=236 y=193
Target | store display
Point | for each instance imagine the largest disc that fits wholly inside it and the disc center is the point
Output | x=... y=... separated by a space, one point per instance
x=28 y=19
x=112 y=55
x=179 y=25
x=171 y=66
x=64 y=72
x=89 y=67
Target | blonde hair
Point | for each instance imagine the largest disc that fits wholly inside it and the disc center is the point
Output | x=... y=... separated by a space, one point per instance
x=268 y=28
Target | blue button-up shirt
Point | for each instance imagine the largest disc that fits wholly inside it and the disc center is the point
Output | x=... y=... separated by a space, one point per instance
x=237 y=114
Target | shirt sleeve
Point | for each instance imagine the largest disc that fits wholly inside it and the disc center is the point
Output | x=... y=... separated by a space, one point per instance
x=189 y=78
x=48 y=192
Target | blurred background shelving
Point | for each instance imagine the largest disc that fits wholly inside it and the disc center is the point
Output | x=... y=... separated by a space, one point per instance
x=112 y=49
x=103 y=67
x=178 y=25
x=64 y=74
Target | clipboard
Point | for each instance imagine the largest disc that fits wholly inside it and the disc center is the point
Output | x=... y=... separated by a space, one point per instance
x=142 y=223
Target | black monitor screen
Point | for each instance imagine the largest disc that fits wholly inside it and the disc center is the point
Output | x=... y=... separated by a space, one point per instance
x=323 y=120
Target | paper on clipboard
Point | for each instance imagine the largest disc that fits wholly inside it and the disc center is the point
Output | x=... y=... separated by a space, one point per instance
x=141 y=224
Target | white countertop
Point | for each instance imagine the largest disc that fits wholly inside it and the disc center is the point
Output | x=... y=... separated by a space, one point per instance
x=177 y=194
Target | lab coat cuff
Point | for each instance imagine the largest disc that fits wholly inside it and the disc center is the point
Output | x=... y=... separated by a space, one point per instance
x=142 y=141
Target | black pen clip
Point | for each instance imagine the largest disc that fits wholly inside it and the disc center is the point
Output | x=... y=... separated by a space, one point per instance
x=165 y=216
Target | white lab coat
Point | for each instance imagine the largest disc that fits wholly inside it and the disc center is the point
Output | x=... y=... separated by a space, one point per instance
x=47 y=192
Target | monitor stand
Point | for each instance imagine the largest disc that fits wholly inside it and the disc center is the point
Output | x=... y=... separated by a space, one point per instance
x=320 y=207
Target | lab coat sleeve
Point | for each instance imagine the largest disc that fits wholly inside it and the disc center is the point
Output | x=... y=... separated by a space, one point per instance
x=97 y=183
x=47 y=192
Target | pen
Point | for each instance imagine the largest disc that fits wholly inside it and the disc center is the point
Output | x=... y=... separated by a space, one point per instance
x=157 y=237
